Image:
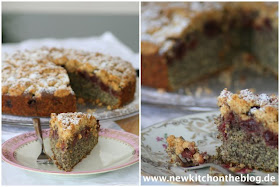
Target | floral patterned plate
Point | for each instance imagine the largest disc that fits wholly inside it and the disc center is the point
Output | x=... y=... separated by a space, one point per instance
x=115 y=150
x=199 y=128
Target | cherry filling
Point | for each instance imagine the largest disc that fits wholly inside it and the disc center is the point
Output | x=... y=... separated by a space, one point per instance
x=212 y=28
x=267 y=23
x=271 y=139
x=31 y=102
x=54 y=134
x=222 y=129
x=187 y=153
x=85 y=133
x=228 y=120
x=97 y=81
x=181 y=47
x=248 y=19
x=250 y=126
x=266 y=26
x=63 y=146
x=8 y=103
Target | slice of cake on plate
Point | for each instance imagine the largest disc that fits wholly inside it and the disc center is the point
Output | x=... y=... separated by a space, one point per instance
x=72 y=137
x=184 y=153
x=248 y=128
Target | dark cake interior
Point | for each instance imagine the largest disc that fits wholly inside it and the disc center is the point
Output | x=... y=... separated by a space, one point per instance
x=69 y=153
x=91 y=88
x=211 y=50
x=248 y=143
x=189 y=42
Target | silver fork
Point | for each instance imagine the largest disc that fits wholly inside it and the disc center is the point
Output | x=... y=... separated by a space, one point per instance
x=43 y=158
x=217 y=167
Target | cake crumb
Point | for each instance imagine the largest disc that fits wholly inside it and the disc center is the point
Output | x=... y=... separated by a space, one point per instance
x=214 y=172
x=226 y=77
x=208 y=91
x=188 y=92
x=253 y=90
x=198 y=92
x=161 y=90
x=81 y=101
x=57 y=145
x=91 y=110
x=79 y=136
x=236 y=168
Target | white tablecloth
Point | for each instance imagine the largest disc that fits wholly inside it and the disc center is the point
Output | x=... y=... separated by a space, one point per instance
x=108 y=44
x=15 y=176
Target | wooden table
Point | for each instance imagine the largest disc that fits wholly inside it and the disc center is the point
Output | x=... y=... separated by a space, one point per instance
x=130 y=124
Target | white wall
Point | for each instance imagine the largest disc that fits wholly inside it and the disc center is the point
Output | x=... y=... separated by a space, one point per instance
x=71 y=7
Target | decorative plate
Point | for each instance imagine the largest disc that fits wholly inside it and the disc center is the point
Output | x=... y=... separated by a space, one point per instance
x=101 y=113
x=115 y=150
x=199 y=128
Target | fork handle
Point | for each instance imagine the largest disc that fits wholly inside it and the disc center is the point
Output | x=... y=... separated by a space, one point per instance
x=38 y=130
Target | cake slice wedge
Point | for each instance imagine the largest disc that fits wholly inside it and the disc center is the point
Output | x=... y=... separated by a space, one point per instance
x=184 y=153
x=72 y=137
x=248 y=128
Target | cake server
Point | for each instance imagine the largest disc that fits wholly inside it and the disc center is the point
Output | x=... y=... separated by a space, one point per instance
x=43 y=158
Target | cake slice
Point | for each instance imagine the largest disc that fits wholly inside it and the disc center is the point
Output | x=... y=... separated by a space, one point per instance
x=72 y=137
x=184 y=153
x=248 y=128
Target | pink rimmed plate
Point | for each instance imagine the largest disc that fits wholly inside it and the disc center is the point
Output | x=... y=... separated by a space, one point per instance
x=115 y=150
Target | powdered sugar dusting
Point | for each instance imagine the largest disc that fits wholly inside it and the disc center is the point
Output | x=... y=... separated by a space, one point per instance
x=27 y=73
x=259 y=101
x=166 y=21
x=263 y=99
x=247 y=95
x=225 y=94
x=69 y=119
x=30 y=72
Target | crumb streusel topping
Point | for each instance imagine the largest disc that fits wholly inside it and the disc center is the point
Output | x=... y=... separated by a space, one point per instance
x=262 y=107
x=179 y=145
x=67 y=124
x=38 y=71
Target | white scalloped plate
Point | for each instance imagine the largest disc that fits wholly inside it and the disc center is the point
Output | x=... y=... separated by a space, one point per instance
x=115 y=150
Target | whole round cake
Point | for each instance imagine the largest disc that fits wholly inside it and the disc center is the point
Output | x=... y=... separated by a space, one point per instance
x=48 y=80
